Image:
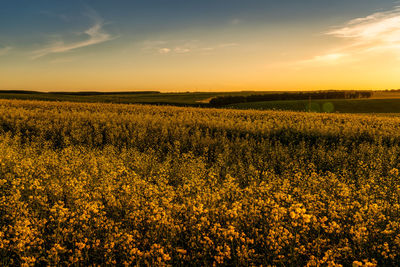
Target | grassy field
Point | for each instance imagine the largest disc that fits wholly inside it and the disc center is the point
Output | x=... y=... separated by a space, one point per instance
x=114 y=184
x=187 y=99
x=340 y=106
x=381 y=102
x=393 y=94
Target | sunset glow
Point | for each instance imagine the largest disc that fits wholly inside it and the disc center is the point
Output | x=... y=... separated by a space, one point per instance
x=199 y=45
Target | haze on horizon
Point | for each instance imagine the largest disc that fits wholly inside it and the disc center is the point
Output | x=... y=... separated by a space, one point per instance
x=208 y=45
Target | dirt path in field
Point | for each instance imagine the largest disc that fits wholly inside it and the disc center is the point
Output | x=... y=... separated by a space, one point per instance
x=205 y=101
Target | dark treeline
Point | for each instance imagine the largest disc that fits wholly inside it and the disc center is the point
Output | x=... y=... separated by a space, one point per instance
x=226 y=100
x=90 y=93
x=20 y=92
x=82 y=93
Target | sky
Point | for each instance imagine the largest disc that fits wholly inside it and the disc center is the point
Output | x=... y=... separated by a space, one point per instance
x=199 y=45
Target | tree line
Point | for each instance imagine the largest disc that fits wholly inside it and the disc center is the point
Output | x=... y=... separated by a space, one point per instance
x=226 y=100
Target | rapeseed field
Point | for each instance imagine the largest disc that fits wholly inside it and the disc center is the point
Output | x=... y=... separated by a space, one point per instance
x=107 y=184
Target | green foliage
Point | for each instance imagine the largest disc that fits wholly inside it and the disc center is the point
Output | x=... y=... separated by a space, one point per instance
x=107 y=184
x=229 y=99
x=340 y=106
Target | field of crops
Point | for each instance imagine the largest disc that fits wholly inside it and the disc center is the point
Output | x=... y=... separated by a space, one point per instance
x=150 y=185
x=380 y=101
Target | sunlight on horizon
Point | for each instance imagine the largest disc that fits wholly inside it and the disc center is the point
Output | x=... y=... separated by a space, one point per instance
x=208 y=46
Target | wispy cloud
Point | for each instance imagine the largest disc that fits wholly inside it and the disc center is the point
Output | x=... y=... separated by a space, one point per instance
x=183 y=47
x=329 y=58
x=325 y=59
x=182 y=50
x=378 y=33
x=5 y=50
x=180 y=47
x=164 y=50
x=94 y=35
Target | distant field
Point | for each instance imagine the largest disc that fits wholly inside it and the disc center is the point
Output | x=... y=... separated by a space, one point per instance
x=189 y=99
x=381 y=101
x=341 y=106
x=386 y=94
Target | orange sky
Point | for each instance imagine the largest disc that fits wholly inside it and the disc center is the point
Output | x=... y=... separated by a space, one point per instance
x=359 y=51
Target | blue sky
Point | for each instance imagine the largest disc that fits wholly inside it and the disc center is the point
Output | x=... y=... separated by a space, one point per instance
x=205 y=44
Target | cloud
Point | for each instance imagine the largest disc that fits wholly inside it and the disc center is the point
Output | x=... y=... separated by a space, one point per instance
x=176 y=50
x=329 y=58
x=94 y=35
x=219 y=46
x=378 y=33
x=183 y=46
x=382 y=26
x=181 y=50
x=164 y=50
x=5 y=50
x=171 y=47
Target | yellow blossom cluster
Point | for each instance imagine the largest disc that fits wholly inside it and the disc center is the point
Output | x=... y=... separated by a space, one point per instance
x=105 y=184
